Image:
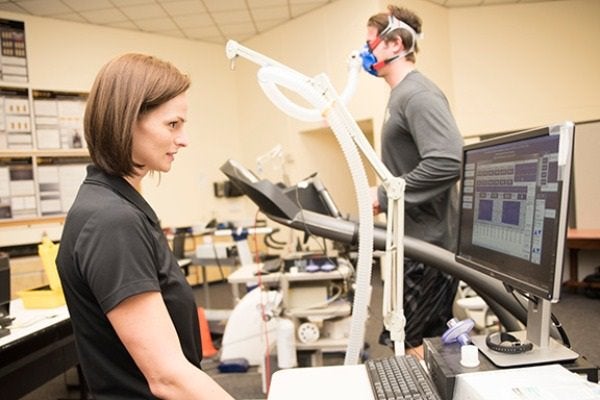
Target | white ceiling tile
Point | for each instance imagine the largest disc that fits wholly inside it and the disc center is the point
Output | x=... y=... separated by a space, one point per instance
x=227 y=5
x=143 y=11
x=184 y=7
x=495 y=2
x=265 y=25
x=303 y=8
x=11 y=7
x=70 y=17
x=231 y=17
x=86 y=5
x=236 y=29
x=194 y=20
x=462 y=3
x=123 y=25
x=156 y=24
x=210 y=31
x=267 y=3
x=104 y=16
x=123 y=3
x=44 y=7
x=242 y=37
x=209 y=39
x=314 y=3
x=270 y=13
x=175 y=33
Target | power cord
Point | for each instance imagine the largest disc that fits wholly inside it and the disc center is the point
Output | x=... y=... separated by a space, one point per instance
x=555 y=321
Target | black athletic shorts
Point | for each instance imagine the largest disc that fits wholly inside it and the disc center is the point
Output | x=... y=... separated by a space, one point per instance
x=428 y=297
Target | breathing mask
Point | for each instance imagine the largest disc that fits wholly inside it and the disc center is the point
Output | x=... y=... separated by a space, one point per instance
x=370 y=62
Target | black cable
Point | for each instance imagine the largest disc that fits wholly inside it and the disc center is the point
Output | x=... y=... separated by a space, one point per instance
x=555 y=321
x=267 y=243
x=273 y=243
x=270 y=235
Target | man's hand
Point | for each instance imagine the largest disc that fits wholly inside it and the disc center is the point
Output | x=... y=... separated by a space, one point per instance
x=375 y=201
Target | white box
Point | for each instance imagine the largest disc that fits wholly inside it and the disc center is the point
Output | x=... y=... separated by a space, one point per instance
x=547 y=382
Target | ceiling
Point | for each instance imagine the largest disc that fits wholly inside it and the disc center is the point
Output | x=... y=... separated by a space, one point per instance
x=212 y=21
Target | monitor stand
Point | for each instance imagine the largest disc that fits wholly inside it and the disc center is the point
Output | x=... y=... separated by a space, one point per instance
x=545 y=349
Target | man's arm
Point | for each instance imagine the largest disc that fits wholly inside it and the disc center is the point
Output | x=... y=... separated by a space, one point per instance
x=439 y=143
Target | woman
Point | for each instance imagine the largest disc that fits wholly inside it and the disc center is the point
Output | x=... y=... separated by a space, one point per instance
x=134 y=316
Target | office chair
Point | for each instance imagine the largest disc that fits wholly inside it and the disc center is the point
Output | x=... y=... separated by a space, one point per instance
x=179 y=252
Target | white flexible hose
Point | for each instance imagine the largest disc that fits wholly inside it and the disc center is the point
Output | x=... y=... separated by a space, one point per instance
x=342 y=125
x=365 y=240
x=354 y=67
x=269 y=77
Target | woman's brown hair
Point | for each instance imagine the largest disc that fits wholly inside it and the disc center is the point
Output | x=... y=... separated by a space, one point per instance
x=126 y=88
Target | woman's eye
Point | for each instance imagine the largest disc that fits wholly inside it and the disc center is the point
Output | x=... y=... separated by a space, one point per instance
x=173 y=124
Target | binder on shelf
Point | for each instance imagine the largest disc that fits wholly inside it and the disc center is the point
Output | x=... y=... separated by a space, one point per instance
x=17 y=197
x=15 y=119
x=58 y=119
x=13 y=63
x=59 y=179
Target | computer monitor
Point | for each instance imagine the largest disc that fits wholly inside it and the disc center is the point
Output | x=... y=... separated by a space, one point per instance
x=512 y=226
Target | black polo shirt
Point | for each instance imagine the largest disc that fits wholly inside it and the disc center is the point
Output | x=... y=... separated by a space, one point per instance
x=112 y=247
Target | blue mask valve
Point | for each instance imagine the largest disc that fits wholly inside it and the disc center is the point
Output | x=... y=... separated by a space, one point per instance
x=368 y=60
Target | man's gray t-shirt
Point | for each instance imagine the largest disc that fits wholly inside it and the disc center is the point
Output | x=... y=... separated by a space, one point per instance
x=422 y=144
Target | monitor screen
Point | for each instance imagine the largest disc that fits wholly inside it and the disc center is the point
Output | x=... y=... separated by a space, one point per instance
x=513 y=215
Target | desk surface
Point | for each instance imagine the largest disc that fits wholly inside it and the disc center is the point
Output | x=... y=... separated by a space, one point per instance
x=40 y=346
x=30 y=321
x=579 y=234
x=352 y=382
x=326 y=383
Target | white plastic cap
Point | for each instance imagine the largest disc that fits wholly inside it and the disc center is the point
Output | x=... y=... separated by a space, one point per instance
x=469 y=356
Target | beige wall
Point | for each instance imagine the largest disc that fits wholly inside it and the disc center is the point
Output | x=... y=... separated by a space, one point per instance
x=66 y=56
x=523 y=65
x=587 y=179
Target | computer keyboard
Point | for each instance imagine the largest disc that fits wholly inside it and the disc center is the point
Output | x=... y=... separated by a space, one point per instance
x=400 y=377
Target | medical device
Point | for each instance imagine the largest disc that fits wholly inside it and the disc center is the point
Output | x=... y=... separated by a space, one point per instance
x=328 y=105
x=512 y=227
